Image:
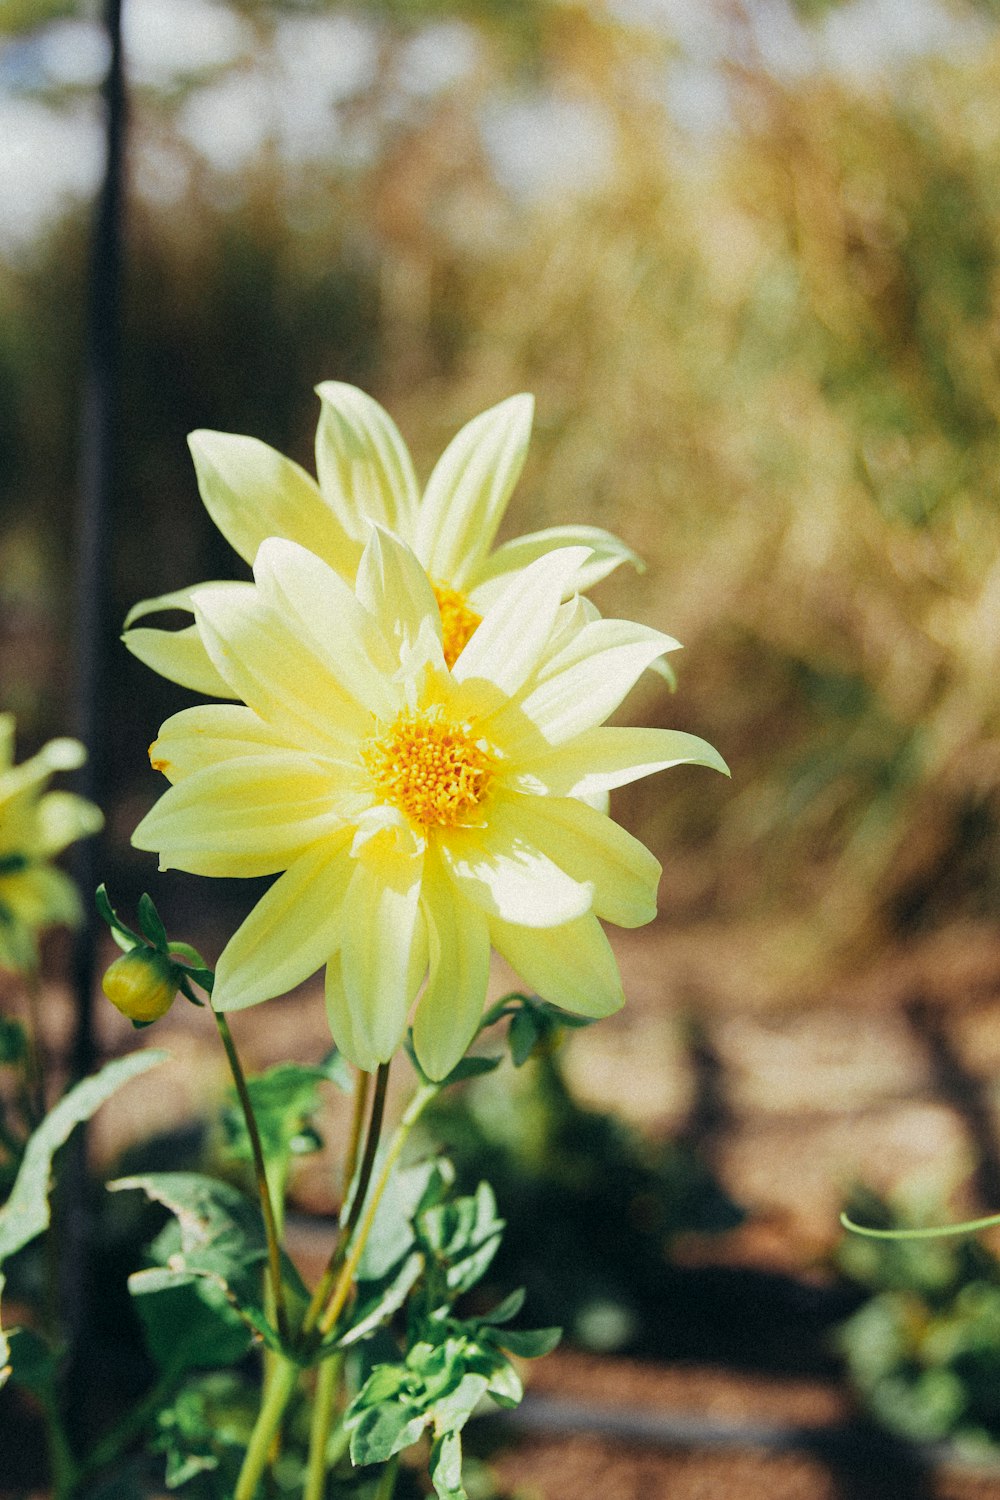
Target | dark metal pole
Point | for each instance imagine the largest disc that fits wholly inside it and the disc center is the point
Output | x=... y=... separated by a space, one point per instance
x=97 y=479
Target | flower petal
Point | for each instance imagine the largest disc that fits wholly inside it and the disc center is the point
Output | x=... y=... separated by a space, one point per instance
x=177 y=655
x=507 y=645
x=607 y=552
x=211 y=732
x=63 y=817
x=451 y=1006
x=500 y=868
x=278 y=674
x=384 y=939
x=350 y=1040
x=571 y=965
x=251 y=492
x=364 y=467
x=394 y=588
x=468 y=491
x=291 y=931
x=325 y=614
x=581 y=685
x=586 y=845
x=607 y=757
x=251 y=816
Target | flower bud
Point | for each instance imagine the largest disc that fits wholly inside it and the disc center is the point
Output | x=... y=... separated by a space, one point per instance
x=141 y=984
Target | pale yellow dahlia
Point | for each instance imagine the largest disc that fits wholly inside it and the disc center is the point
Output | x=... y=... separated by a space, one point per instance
x=366 y=475
x=419 y=812
x=35 y=826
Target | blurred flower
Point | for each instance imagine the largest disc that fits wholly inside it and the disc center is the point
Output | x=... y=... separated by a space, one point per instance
x=419 y=813
x=35 y=826
x=365 y=476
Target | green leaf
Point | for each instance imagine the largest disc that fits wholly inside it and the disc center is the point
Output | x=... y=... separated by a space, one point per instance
x=221 y=1237
x=507 y=1309
x=392 y=1235
x=192 y=1326
x=284 y=1100
x=26 y=1212
x=376 y=1307
x=383 y=1430
x=149 y=921
x=451 y=1412
x=504 y=1384
x=25 y=1215
x=525 y=1343
x=446 y=1467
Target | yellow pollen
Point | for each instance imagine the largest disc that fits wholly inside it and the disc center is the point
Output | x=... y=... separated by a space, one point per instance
x=434 y=771
x=458 y=620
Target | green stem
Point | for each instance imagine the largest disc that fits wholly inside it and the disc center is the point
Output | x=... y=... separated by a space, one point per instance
x=35 y=1066
x=324 y=1398
x=268 y=1421
x=329 y=1277
x=62 y=1464
x=260 y=1172
x=357 y=1126
x=342 y=1290
x=387 y=1484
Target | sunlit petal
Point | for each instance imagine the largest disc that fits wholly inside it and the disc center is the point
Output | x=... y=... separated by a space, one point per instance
x=607 y=552
x=251 y=492
x=468 y=491
x=250 y=816
x=394 y=588
x=604 y=758
x=364 y=467
x=383 y=925
x=588 y=846
x=502 y=869
x=506 y=646
x=451 y=1006
x=571 y=966
x=211 y=732
x=290 y=933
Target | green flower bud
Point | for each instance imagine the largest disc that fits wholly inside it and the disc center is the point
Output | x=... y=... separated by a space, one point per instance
x=141 y=984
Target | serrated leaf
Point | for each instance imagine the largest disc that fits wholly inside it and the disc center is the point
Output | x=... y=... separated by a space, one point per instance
x=151 y=923
x=384 y=1430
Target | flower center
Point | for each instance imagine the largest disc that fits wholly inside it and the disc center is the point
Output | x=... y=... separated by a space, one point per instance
x=434 y=771
x=458 y=620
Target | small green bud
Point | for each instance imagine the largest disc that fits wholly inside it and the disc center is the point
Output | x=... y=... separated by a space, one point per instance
x=141 y=984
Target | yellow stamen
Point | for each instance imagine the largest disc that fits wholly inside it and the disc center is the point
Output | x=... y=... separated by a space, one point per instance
x=458 y=620
x=434 y=771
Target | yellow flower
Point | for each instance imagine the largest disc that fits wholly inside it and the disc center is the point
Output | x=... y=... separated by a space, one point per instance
x=419 y=813
x=366 y=476
x=35 y=826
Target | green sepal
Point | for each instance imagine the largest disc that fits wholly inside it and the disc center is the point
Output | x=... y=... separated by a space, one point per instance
x=151 y=923
x=119 y=930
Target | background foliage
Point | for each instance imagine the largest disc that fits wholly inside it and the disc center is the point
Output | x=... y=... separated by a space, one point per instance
x=762 y=338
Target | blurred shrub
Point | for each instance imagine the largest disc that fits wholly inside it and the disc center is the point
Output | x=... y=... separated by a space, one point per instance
x=766 y=356
x=924 y=1351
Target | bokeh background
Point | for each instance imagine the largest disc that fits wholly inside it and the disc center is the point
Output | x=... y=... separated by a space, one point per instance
x=746 y=254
